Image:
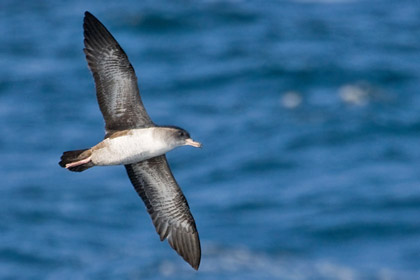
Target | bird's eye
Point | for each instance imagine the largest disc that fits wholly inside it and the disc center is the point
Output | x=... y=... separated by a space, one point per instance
x=181 y=134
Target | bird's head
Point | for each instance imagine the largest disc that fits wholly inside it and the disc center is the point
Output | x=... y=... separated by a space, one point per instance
x=181 y=137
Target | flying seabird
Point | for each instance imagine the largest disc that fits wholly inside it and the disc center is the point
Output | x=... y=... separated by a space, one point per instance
x=133 y=140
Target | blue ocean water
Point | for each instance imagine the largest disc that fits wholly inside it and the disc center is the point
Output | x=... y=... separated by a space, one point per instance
x=309 y=112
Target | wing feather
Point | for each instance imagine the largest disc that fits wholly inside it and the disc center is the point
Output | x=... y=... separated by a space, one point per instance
x=115 y=80
x=167 y=206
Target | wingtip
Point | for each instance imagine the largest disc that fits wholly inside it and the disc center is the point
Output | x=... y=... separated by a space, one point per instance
x=196 y=266
x=89 y=17
x=187 y=246
x=191 y=256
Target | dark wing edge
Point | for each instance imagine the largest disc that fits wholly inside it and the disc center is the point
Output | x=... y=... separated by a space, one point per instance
x=167 y=206
x=115 y=79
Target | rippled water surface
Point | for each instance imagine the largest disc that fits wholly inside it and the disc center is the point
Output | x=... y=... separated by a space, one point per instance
x=309 y=112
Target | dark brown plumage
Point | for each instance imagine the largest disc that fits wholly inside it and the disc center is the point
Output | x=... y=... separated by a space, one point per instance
x=120 y=103
x=167 y=206
x=116 y=82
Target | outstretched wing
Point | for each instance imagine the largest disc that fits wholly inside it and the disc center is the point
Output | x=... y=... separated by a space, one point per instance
x=167 y=206
x=116 y=82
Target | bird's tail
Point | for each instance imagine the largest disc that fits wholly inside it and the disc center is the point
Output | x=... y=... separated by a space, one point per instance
x=77 y=161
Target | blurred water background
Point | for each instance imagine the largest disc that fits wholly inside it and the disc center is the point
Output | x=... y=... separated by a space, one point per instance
x=309 y=112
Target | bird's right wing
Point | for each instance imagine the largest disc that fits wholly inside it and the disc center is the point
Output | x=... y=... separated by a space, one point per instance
x=115 y=80
x=167 y=206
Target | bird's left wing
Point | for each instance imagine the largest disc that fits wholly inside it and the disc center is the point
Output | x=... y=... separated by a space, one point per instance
x=167 y=206
x=115 y=80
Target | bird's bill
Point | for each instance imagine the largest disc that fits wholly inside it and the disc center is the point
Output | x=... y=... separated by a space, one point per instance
x=191 y=142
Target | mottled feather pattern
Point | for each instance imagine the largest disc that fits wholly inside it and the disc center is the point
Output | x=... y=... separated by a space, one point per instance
x=167 y=206
x=116 y=82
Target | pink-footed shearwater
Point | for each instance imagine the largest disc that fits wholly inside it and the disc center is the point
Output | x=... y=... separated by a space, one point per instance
x=133 y=140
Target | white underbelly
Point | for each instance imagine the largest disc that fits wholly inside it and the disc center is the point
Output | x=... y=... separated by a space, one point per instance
x=127 y=149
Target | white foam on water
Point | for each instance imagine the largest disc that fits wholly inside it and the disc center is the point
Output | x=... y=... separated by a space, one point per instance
x=291 y=99
x=243 y=263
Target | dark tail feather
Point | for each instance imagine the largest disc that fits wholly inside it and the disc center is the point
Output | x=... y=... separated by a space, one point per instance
x=74 y=156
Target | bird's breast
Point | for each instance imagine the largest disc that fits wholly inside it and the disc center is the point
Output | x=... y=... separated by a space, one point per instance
x=130 y=147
